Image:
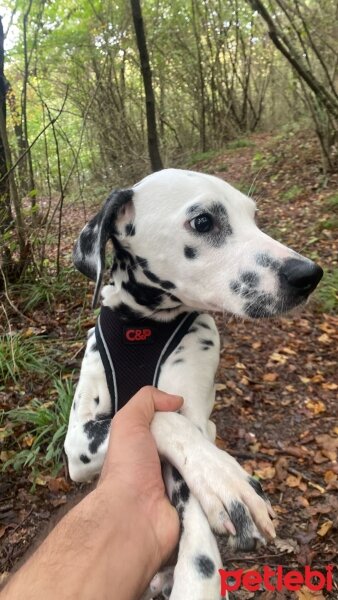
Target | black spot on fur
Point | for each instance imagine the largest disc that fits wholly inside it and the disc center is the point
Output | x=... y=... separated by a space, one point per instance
x=167 y=591
x=207 y=342
x=167 y=285
x=205 y=347
x=177 y=361
x=205 y=566
x=143 y=294
x=123 y=265
x=235 y=286
x=142 y=262
x=97 y=400
x=179 y=349
x=184 y=492
x=176 y=474
x=130 y=229
x=94 y=347
x=97 y=431
x=190 y=252
x=204 y=325
x=265 y=260
x=250 y=278
x=85 y=459
x=261 y=305
x=124 y=312
x=192 y=329
x=74 y=405
x=257 y=487
x=180 y=510
x=239 y=515
x=175 y=498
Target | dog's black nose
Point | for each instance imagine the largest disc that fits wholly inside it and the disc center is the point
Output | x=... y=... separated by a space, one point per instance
x=302 y=275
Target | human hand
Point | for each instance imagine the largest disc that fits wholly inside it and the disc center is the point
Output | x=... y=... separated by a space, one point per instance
x=132 y=466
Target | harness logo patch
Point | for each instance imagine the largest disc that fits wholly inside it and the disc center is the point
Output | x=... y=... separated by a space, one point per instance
x=135 y=335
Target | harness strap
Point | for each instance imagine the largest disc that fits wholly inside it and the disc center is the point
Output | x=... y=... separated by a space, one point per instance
x=133 y=352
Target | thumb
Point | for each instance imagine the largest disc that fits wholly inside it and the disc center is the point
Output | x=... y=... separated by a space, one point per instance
x=142 y=407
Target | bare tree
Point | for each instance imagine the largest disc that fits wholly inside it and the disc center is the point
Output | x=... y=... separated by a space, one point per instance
x=153 y=145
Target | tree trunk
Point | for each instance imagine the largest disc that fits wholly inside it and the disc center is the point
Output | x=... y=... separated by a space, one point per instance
x=6 y=218
x=284 y=45
x=8 y=189
x=153 y=146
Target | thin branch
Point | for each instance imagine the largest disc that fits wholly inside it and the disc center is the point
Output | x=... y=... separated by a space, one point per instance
x=35 y=140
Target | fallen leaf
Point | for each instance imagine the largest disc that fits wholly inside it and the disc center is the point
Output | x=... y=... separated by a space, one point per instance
x=319 y=458
x=325 y=528
x=317 y=378
x=3 y=530
x=329 y=445
x=266 y=472
x=305 y=594
x=286 y=545
x=293 y=480
x=219 y=387
x=288 y=350
x=270 y=377
x=316 y=406
x=330 y=476
x=28 y=440
x=281 y=467
x=329 y=386
x=58 y=484
x=240 y=366
x=303 y=501
x=279 y=358
x=324 y=339
x=256 y=345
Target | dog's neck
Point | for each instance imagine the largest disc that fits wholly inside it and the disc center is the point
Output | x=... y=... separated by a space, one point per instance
x=134 y=292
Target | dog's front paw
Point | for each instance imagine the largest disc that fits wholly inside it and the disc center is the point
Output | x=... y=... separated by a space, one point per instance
x=232 y=500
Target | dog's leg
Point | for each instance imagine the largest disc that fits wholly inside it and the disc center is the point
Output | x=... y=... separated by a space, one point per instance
x=219 y=483
x=229 y=497
x=190 y=372
x=90 y=417
x=196 y=574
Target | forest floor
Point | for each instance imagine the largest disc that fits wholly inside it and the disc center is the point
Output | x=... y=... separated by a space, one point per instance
x=276 y=408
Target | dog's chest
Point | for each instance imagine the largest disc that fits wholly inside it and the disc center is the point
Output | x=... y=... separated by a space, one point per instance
x=133 y=352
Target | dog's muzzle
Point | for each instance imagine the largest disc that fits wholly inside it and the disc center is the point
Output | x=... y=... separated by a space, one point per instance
x=299 y=278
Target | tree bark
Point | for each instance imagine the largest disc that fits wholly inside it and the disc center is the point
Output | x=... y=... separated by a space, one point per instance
x=8 y=189
x=284 y=45
x=153 y=145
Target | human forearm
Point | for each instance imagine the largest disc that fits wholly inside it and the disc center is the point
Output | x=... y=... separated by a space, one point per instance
x=93 y=553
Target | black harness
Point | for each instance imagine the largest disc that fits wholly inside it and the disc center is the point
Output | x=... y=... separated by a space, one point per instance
x=133 y=352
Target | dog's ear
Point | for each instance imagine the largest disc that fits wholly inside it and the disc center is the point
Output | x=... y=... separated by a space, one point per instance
x=90 y=249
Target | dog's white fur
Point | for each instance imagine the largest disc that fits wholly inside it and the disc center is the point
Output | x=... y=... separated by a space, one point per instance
x=163 y=208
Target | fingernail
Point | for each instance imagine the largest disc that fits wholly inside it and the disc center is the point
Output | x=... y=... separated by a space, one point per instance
x=230 y=527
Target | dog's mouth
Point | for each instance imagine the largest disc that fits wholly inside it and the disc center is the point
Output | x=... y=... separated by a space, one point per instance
x=297 y=280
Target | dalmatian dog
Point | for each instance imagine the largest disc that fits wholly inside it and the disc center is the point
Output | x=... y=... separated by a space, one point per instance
x=184 y=242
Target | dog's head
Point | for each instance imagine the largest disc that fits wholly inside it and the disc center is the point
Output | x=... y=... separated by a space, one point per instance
x=195 y=235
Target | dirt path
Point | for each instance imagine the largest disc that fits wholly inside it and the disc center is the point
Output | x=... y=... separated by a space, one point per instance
x=276 y=396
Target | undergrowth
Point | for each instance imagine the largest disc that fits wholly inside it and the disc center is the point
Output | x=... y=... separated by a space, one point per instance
x=35 y=433
x=21 y=356
x=327 y=292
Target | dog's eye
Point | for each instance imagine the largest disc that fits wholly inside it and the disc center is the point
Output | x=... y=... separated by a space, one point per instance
x=203 y=223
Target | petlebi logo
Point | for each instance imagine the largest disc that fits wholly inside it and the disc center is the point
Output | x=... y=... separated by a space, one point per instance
x=276 y=579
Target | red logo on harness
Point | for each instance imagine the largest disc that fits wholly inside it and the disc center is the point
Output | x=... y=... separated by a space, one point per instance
x=137 y=335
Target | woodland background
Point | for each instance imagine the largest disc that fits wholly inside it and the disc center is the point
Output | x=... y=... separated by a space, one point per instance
x=93 y=95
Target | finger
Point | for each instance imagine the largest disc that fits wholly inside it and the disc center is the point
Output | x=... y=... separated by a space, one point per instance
x=141 y=408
